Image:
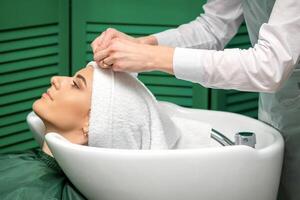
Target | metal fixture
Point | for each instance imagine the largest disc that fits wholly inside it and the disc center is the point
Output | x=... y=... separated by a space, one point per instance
x=222 y=139
x=245 y=138
x=240 y=138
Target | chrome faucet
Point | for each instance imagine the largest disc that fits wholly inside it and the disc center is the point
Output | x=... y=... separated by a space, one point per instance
x=240 y=138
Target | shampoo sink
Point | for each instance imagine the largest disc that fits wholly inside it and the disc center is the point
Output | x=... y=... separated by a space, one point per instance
x=233 y=172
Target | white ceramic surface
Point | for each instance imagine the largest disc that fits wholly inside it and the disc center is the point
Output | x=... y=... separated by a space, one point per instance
x=212 y=173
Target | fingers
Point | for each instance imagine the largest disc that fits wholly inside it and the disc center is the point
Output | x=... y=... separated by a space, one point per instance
x=103 y=43
x=102 y=64
x=107 y=41
x=110 y=59
x=110 y=56
x=104 y=40
x=115 y=45
x=97 y=42
x=100 y=55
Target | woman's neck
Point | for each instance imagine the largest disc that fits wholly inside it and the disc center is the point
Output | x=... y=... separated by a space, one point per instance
x=46 y=149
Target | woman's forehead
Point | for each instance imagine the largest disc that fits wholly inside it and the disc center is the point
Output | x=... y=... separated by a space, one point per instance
x=89 y=66
x=85 y=70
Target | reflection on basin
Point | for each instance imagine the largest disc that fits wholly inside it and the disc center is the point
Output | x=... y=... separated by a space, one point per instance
x=213 y=173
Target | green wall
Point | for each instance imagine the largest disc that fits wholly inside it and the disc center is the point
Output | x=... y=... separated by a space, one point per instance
x=43 y=38
x=34 y=46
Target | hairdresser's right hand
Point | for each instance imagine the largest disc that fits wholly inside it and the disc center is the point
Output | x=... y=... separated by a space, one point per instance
x=102 y=41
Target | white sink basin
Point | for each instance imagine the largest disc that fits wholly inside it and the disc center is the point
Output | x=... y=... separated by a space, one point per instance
x=216 y=173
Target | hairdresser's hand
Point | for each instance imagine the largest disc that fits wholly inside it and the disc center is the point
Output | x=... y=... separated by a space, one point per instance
x=102 y=41
x=130 y=56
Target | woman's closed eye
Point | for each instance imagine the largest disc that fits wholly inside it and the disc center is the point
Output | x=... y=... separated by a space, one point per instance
x=79 y=81
x=75 y=85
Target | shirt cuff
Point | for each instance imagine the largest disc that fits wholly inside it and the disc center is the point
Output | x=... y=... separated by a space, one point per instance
x=188 y=65
x=168 y=37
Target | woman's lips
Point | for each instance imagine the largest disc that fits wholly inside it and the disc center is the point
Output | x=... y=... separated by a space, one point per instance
x=47 y=95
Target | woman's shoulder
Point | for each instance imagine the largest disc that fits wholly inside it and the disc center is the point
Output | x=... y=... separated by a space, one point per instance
x=29 y=158
x=33 y=174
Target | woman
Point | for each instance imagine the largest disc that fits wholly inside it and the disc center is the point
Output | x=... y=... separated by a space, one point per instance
x=95 y=107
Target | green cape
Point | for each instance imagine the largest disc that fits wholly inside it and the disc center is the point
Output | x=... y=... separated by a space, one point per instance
x=32 y=175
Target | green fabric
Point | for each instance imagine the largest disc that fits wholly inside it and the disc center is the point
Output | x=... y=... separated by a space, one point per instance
x=32 y=175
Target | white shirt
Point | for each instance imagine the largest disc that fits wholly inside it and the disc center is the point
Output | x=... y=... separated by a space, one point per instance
x=262 y=68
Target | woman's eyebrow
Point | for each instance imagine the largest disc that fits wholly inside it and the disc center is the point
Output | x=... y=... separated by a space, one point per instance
x=82 y=78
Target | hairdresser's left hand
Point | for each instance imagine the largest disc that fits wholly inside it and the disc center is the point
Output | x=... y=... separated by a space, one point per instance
x=125 y=55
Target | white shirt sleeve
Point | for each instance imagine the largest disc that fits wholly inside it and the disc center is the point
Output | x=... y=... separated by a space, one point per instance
x=211 y=30
x=262 y=68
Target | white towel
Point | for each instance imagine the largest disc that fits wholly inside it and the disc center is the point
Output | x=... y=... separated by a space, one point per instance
x=124 y=114
x=195 y=134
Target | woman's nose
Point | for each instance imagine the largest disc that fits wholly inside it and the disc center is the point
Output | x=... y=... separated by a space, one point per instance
x=55 y=82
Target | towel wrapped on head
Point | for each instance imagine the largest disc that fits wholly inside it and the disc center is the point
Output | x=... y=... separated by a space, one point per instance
x=125 y=114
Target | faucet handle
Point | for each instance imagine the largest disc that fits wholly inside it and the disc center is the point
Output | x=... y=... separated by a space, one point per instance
x=245 y=138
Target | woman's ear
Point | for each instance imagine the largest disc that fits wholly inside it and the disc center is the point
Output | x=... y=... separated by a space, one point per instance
x=85 y=127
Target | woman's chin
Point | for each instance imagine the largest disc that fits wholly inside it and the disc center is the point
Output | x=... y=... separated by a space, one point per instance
x=39 y=107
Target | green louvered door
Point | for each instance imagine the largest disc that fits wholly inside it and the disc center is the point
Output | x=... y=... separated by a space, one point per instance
x=33 y=47
x=137 y=18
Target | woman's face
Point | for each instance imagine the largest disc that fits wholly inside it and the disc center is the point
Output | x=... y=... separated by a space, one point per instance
x=66 y=104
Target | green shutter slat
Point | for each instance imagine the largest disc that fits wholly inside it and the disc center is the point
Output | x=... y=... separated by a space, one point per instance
x=234 y=101
x=251 y=113
x=15 y=118
x=15 y=138
x=29 y=53
x=30 y=63
x=25 y=85
x=20 y=146
x=172 y=91
x=241 y=96
x=239 y=39
x=24 y=95
x=243 y=106
x=29 y=43
x=240 y=46
x=28 y=74
x=243 y=29
x=13 y=128
x=17 y=107
x=21 y=33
